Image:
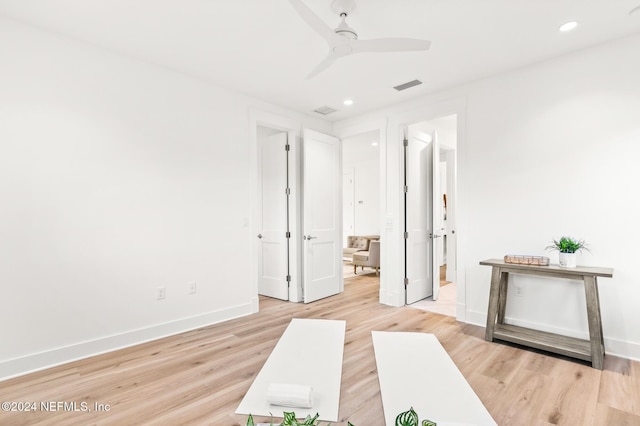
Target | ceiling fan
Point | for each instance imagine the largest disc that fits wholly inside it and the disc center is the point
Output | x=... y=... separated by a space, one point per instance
x=343 y=40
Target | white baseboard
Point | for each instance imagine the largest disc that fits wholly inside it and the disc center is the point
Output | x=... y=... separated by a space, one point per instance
x=391 y=298
x=51 y=358
x=476 y=318
x=613 y=346
x=461 y=312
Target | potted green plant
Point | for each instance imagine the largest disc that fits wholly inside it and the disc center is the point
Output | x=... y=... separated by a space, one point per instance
x=408 y=418
x=291 y=420
x=567 y=248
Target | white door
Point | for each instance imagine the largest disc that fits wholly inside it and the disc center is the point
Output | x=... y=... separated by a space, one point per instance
x=273 y=253
x=322 y=215
x=418 y=217
x=436 y=216
x=348 y=205
x=451 y=215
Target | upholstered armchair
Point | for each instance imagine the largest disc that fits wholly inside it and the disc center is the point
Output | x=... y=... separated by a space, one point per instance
x=354 y=245
x=369 y=258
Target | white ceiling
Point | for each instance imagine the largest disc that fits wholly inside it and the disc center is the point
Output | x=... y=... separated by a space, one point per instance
x=264 y=49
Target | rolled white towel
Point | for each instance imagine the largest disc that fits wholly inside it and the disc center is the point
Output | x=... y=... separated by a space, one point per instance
x=287 y=395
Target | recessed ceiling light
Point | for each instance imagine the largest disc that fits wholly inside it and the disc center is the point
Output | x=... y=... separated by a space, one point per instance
x=566 y=27
x=374 y=143
x=348 y=102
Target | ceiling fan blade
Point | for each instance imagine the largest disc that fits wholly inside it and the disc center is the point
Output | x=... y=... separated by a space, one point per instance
x=389 y=45
x=313 y=20
x=326 y=63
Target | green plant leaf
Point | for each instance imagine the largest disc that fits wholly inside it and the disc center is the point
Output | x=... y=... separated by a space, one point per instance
x=250 y=421
x=568 y=245
x=408 y=418
x=289 y=419
x=310 y=421
x=428 y=423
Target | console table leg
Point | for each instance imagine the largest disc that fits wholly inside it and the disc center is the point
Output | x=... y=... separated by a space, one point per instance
x=595 y=322
x=492 y=310
x=502 y=296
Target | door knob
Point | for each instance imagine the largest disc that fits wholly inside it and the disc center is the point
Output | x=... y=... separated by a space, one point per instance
x=259 y=235
x=309 y=237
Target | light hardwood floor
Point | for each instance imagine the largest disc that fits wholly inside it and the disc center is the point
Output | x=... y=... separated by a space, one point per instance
x=199 y=377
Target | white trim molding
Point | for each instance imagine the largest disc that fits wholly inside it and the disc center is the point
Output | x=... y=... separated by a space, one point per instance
x=63 y=355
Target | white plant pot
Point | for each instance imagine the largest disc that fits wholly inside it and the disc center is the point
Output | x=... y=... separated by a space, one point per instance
x=568 y=260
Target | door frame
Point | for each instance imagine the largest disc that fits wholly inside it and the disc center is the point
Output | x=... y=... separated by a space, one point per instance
x=346 y=130
x=394 y=290
x=292 y=128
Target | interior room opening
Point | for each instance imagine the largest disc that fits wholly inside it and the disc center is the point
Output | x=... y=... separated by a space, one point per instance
x=361 y=204
x=438 y=254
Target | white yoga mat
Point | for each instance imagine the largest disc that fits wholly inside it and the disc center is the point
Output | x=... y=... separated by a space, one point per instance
x=309 y=353
x=415 y=371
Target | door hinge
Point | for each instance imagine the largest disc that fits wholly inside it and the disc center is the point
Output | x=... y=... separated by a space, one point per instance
x=405 y=142
x=406 y=189
x=406 y=235
x=287 y=234
x=288 y=278
x=287 y=191
x=406 y=281
x=287 y=147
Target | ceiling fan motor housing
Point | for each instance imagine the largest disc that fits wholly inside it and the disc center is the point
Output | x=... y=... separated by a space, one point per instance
x=345 y=30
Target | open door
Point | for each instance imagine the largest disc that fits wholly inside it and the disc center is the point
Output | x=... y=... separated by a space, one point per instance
x=436 y=216
x=418 y=167
x=273 y=248
x=322 y=215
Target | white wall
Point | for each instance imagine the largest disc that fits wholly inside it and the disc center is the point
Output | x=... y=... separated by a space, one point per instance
x=116 y=177
x=363 y=158
x=543 y=151
x=553 y=150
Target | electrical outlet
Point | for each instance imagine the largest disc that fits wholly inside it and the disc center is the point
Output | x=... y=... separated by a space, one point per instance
x=161 y=293
x=193 y=287
x=518 y=290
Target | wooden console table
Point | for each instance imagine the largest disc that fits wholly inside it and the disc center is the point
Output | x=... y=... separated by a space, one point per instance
x=589 y=350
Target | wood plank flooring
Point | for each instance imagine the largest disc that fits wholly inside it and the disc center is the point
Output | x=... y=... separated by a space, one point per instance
x=199 y=377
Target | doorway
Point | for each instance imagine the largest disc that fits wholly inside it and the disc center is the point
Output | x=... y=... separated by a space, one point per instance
x=300 y=199
x=433 y=205
x=361 y=198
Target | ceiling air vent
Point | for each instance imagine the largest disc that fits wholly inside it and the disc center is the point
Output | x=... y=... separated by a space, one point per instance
x=407 y=85
x=325 y=110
